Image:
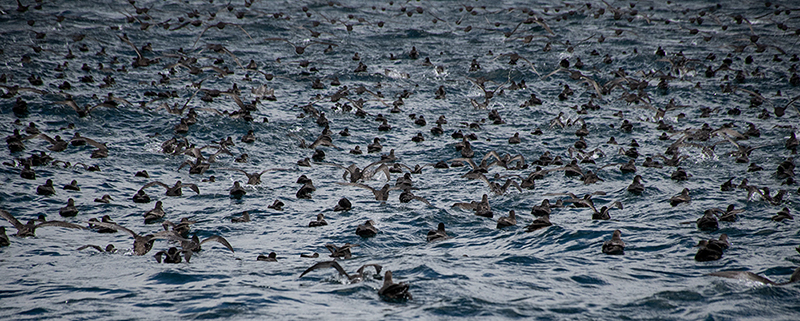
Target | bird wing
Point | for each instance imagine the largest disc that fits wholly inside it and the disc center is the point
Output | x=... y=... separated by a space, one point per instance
x=358 y=185
x=11 y=219
x=125 y=39
x=464 y=159
x=561 y=194
x=610 y=165
x=332 y=248
x=464 y=206
x=167 y=235
x=323 y=140
x=187 y=255
x=69 y=102
x=326 y=264
x=219 y=239
x=99 y=249
x=192 y=187
x=235 y=169
x=272 y=169
x=89 y=109
x=154 y=183
x=743 y=276
x=421 y=199
x=95 y=143
x=158 y=255
x=378 y=268
x=61 y=224
x=47 y=138
x=383 y=168
x=332 y=164
x=491 y=153
x=115 y=227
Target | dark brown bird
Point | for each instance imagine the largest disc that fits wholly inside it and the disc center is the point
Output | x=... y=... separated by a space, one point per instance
x=391 y=291
x=319 y=222
x=343 y=205
x=438 y=234
x=708 y=221
x=615 y=245
x=750 y=276
x=46 y=189
x=783 y=214
x=481 y=208
x=341 y=251
x=175 y=190
x=155 y=214
x=367 y=229
x=4 y=241
x=707 y=253
x=237 y=191
x=241 y=219
x=72 y=186
x=380 y=194
x=142 y=244
x=29 y=229
x=507 y=221
x=539 y=223
x=683 y=197
x=636 y=186
x=253 y=178
x=353 y=278
x=70 y=210
x=173 y=255
x=272 y=257
x=542 y=210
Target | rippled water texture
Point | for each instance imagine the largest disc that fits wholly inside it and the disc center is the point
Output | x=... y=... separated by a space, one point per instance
x=558 y=272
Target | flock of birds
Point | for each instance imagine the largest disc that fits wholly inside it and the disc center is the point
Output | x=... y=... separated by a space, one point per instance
x=187 y=84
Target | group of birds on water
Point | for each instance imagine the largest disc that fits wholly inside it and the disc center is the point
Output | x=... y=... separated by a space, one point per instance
x=635 y=85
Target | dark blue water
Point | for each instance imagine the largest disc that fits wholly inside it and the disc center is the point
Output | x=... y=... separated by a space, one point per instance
x=481 y=272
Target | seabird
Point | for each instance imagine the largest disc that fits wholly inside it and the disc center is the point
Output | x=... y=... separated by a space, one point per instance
x=173 y=255
x=242 y=219
x=72 y=186
x=109 y=248
x=367 y=229
x=683 y=197
x=142 y=244
x=341 y=251
x=750 y=276
x=46 y=189
x=438 y=234
x=319 y=222
x=272 y=257
x=104 y=199
x=506 y=221
x=237 y=191
x=705 y=252
x=29 y=229
x=539 y=223
x=70 y=210
x=356 y=277
x=276 y=205
x=175 y=190
x=391 y=291
x=343 y=205
x=636 y=186
x=615 y=245
x=155 y=214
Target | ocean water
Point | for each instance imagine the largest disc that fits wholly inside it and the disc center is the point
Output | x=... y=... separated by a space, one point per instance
x=480 y=272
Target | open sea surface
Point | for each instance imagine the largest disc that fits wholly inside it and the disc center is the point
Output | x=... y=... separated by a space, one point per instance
x=481 y=272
